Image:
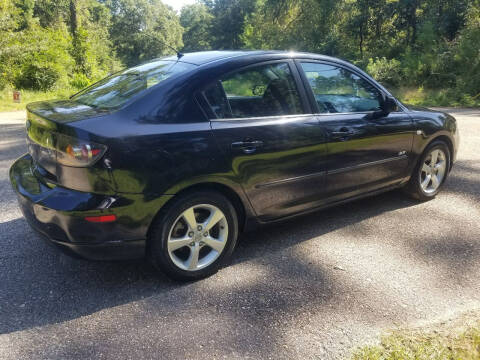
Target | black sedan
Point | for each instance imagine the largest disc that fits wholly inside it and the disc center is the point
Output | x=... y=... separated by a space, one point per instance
x=173 y=158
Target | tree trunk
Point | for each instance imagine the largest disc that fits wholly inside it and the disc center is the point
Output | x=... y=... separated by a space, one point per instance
x=361 y=42
x=73 y=18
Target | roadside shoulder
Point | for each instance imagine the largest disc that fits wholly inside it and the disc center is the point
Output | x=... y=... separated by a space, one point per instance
x=13 y=117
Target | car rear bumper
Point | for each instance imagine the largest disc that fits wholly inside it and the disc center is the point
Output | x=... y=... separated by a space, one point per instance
x=59 y=215
x=108 y=250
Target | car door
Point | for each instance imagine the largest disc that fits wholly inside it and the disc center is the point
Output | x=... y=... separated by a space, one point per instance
x=272 y=143
x=366 y=150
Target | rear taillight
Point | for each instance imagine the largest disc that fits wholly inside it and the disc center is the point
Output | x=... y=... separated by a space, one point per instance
x=79 y=153
x=69 y=151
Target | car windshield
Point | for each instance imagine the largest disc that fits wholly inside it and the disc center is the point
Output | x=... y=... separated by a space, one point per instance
x=116 y=90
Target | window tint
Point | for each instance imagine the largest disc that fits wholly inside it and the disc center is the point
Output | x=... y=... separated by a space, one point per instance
x=266 y=90
x=338 y=90
x=116 y=90
x=217 y=100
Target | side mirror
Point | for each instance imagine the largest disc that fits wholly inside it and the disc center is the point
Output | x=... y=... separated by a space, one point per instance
x=389 y=105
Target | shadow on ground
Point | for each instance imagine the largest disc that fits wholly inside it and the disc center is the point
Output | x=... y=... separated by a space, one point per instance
x=43 y=286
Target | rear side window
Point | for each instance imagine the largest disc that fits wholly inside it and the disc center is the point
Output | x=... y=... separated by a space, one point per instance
x=338 y=90
x=114 y=91
x=217 y=101
x=264 y=90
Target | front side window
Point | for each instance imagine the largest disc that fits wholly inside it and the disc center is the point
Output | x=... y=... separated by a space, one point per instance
x=114 y=91
x=338 y=90
x=265 y=90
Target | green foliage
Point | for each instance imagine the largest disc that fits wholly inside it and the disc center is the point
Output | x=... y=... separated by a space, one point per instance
x=430 y=44
x=91 y=46
x=229 y=18
x=467 y=54
x=387 y=72
x=79 y=81
x=37 y=50
x=430 y=47
x=3 y=81
x=37 y=77
x=197 y=21
x=143 y=29
x=294 y=25
x=37 y=58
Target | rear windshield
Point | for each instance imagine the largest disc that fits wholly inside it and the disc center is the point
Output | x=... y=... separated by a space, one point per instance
x=116 y=90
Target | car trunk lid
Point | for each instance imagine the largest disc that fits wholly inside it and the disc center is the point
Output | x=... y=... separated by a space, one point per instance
x=62 y=153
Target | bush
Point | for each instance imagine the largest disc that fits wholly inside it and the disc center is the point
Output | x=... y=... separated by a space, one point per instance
x=3 y=79
x=79 y=81
x=467 y=56
x=387 y=72
x=37 y=58
x=36 y=77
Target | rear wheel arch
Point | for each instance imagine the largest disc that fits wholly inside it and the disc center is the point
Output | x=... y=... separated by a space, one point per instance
x=225 y=190
x=211 y=207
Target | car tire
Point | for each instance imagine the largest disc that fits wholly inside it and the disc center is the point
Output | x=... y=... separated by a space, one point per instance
x=190 y=248
x=422 y=185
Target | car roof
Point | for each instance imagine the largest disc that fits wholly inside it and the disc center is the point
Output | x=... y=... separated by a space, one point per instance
x=205 y=57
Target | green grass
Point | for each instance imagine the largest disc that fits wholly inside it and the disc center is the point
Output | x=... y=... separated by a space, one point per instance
x=437 y=97
x=453 y=343
x=28 y=96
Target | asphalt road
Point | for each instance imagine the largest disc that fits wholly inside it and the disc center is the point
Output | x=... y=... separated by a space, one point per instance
x=311 y=288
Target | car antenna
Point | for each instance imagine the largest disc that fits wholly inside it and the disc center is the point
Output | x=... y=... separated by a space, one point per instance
x=179 y=54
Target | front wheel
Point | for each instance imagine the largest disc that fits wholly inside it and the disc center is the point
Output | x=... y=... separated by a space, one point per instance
x=430 y=173
x=194 y=236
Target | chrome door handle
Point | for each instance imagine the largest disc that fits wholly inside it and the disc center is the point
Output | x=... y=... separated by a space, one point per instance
x=248 y=146
x=342 y=134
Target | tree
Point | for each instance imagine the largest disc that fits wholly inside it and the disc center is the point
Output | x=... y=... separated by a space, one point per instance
x=415 y=43
x=91 y=48
x=467 y=51
x=197 y=21
x=9 y=19
x=229 y=21
x=26 y=13
x=51 y=13
x=448 y=16
x=309 y=25
x=143 y=29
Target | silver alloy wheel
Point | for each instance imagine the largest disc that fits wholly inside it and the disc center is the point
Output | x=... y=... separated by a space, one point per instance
x=197 y=237
x=433 y=171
